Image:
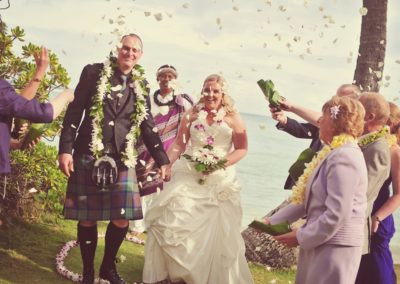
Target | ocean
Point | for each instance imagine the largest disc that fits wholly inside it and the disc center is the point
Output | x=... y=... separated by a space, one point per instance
x=263 y=172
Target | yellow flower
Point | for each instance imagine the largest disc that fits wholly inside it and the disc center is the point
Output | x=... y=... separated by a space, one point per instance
x=299 y=189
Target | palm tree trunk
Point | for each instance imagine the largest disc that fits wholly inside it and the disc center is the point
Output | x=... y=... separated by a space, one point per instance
x=371 y=57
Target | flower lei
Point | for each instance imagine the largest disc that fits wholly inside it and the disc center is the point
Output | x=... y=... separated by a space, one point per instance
x=372 y=137
x=75 y=277
x=96 y=111
x=299 y=188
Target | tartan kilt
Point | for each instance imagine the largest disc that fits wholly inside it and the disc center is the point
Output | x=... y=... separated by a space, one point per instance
x=85 y=201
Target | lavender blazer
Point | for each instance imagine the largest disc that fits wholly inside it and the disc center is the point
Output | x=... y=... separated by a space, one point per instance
x=13 y=105
x=335 y=201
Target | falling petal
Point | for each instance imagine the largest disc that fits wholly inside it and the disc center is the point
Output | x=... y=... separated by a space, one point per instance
x=335 y=40
x=111 y=123
x=235 y=8
x=158 y=16
x=382 y=42
x=380 y=64
x=397 y=61
x=122 y=211
x=185 y=6
x=149 y=178
x=147 y=13
x=155 y=129
x=264 y=45
x=279 y=67
x=262 y=126
x=32 y=190
x=110 y=21
x=378 y=74
x=73 y=126
x=363 y=11
x=116 y=88
x=142 y=162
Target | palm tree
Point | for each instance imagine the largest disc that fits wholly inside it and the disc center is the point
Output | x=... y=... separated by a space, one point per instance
x=371 y=52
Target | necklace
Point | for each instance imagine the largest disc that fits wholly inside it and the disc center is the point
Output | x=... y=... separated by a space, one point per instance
x=372 y=137
x=163 y=101
x=96 y=111
x=299 y=189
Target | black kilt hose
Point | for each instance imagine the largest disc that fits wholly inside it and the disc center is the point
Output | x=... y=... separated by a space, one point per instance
x=86 y=201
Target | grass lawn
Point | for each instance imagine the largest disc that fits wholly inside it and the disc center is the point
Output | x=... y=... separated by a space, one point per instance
x=27 y=252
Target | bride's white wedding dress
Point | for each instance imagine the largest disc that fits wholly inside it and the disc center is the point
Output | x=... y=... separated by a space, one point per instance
x=194 y=230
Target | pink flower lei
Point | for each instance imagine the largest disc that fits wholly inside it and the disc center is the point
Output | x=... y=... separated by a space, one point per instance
x=75 y=277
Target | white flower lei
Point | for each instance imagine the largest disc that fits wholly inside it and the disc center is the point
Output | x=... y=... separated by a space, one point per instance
x=218 y=117
x=137 y=117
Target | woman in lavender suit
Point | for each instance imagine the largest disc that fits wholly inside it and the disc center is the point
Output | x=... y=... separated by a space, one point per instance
x=333 y=199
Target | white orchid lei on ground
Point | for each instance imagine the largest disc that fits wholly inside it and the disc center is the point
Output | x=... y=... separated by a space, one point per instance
x=96 y=111
x=76 y=277
x=299 y=188
x=207 y=159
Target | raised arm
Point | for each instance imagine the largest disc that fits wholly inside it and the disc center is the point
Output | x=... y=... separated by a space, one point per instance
x=307 y=114
x=239 y=139
x=42 y=62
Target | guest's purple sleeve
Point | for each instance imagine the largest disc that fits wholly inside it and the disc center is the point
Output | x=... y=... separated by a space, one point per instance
x=14 y=105
x=290 y=213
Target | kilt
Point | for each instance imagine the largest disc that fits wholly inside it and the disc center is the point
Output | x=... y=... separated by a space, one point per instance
x=85 y=201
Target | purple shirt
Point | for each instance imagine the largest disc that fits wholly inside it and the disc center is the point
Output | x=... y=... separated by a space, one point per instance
x=14 y=105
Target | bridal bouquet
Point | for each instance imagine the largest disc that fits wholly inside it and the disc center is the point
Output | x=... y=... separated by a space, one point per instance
x=206 y=160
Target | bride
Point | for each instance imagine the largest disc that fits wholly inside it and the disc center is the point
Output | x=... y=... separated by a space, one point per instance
x=194 y=224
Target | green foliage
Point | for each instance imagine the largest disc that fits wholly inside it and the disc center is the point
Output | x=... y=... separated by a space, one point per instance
x=37 y=168
x=34 y=170
x=18 y=69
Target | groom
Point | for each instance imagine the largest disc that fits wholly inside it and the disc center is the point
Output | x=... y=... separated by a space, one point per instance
x=97 y=153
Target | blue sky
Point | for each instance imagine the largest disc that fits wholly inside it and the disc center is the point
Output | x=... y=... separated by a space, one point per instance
x=308 y=48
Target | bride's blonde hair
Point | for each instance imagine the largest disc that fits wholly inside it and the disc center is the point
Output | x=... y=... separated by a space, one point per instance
x=227 y=102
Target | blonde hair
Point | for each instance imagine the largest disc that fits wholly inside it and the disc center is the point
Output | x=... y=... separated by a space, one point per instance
x=349 y=118
x=394 y=117
x=227 y=101
x=349 y=90
x=376 y=104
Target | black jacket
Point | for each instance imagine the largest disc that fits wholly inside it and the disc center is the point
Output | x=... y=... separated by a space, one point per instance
x=76 y=134
x=301 y=130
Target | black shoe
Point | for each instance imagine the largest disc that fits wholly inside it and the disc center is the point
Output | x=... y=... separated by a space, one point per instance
x=88 y=276
x=111 y=275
